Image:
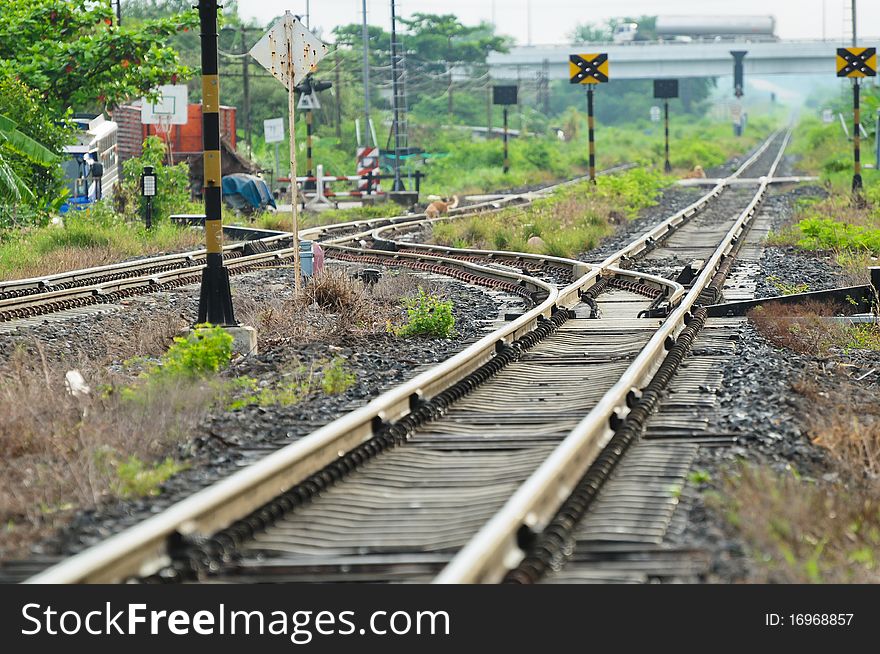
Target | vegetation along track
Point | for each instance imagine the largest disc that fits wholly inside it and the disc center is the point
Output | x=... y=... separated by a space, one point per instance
x=473 y=468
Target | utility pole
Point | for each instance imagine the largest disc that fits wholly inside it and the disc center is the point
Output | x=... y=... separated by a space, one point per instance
x=366 y=39
x=338 y=96
x=449 y=107
x=246 y=96
x=854 y=24
x=395 y=101
x=215 y=298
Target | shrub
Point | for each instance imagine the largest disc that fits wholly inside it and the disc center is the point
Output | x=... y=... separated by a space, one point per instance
x=335 y=377
x=172 y=182
x=427 y=315
x=203 y=351
x=138 y=479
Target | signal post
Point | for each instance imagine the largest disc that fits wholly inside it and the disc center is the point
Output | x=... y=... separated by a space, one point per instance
x=589 y=69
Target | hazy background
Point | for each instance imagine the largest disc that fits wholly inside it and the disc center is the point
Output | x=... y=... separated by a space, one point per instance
x=551 y=21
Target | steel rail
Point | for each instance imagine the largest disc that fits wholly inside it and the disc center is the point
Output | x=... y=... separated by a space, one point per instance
x=142 y=549
x=495 y=549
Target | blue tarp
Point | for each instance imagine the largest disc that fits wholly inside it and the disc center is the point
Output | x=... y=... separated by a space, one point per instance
x=246 y=192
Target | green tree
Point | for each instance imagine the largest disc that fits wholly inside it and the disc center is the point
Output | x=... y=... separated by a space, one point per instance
x=438 y=43
x=74 y=54
x=31 y=137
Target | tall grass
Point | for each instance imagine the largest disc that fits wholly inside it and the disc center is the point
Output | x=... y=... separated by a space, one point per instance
x=572 y=220
x=92 y=237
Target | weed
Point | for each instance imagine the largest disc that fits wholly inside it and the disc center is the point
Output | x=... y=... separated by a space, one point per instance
x=205 y=350
x=699 y=477
x=427 y=315
x=799 y=531
x=335 y=378
x=138 y=479
x=785 y=288
x=284 y=394
x=800 y=327
x=570 y=221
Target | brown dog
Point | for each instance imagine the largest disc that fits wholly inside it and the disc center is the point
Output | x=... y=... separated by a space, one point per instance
x=438 y=207
x=697 y=173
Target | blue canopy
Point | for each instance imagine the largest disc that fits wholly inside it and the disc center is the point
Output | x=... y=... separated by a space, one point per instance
x=246 y=192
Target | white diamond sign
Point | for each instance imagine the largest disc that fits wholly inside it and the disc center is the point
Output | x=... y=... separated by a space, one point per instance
x=289 y=40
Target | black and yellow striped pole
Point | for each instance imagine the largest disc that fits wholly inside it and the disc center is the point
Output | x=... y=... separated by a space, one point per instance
x=215 y=300
x=589 y=69
x=857 y=141
x=667 y=167
x=309 y=124
x=856 y=63
x=506 y=158
x=590 y=126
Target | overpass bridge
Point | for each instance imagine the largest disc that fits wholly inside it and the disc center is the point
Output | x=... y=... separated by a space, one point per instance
x=650 y=60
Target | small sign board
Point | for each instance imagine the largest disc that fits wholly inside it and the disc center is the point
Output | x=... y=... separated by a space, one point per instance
x=273 y=129
x=856 y=62
x=504 y=94
x=665 y=88
x=308 y=101
x=655 y=114
x=170 y=108
x=827 y=116
x=588 y=68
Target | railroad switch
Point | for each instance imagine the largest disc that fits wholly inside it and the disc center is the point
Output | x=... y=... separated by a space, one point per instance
x=690 y=272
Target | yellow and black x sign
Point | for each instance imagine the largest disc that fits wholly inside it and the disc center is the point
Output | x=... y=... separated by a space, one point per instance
x=856 y=62
x=588 y=68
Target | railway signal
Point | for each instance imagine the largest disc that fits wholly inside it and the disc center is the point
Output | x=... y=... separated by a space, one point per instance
x=666 y=89
x=215 y=298
x=148 y=190
x=308 y=101
x=589 y=69
x=505 y=96
x=290 y=52
x=856 y=63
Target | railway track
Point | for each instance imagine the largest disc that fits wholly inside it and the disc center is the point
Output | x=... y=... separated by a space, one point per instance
x=28 y=298
x=478 y=468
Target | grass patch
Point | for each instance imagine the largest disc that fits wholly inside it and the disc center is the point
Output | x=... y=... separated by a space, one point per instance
x=334 y=305
x=92 y=237
x=800 y=531
x=825 y=530
x=282 y=220
x=804 y=329
x=332 y=378
x=785 y=288
x=61 y=450
x=570 y=221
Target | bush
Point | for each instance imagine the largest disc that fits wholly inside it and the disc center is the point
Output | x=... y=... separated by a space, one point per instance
x=203 y=351
x=427 y=315
x=172 y=182
x=336 y=378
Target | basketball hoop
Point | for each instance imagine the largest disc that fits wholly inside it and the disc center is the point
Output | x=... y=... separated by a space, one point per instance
x=164 y=126
x=170 y=108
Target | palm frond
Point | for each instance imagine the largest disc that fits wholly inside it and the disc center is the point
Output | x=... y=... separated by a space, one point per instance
x=24 y=144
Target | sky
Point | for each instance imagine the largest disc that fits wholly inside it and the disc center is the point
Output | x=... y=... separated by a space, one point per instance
x=551 y=21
